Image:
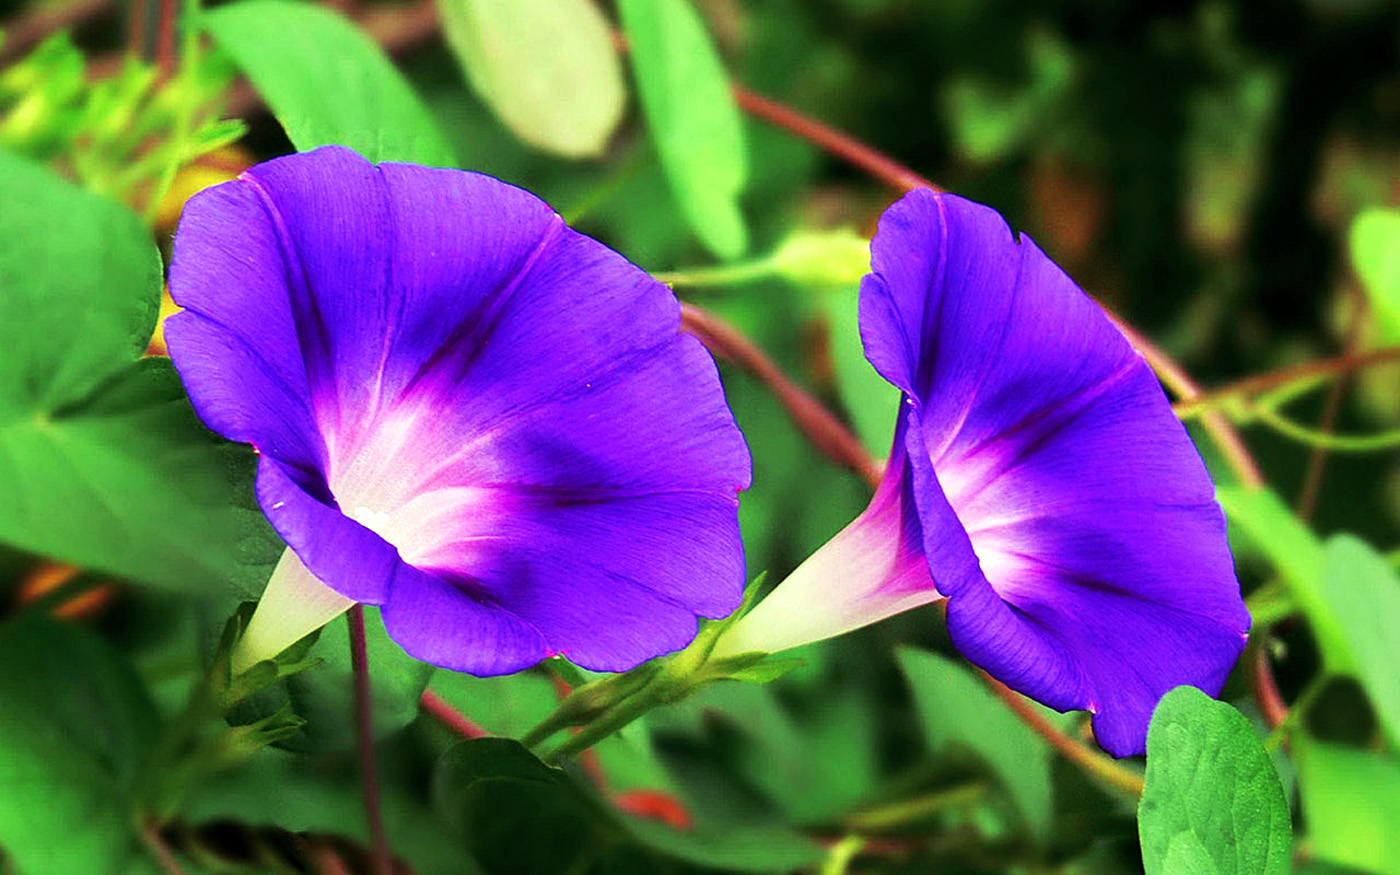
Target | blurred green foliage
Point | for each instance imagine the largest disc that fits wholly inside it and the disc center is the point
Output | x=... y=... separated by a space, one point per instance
x=1223 y=175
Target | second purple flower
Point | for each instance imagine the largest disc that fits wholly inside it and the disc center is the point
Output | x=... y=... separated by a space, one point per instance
x=1039 y=482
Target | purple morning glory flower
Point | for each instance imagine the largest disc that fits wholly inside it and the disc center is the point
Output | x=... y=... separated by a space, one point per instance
x=1038 y=481
x=466 y=413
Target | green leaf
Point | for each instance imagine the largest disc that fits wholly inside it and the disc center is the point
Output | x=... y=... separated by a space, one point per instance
x=733 y=849
x=76 y=724
x=327 y=82
x=503 y=802
x=1212 y=804
x=547 y=68
x=508 y=705
x=1362 y=591
x=102 y=461
x=1348 y=592
x=822 y=259
x=1375 y=253
x=317 y=794
x=692 y=117
x=957 y=711
x=870 y=399
x=323 y=695
x=1351 y=804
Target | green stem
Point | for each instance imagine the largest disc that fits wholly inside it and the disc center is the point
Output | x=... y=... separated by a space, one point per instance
x=1270 y=603
x=1339 y=443
x=1297 y=712
x=842 y=854
x=719 y=275
x=623 y=713
x=897 y=814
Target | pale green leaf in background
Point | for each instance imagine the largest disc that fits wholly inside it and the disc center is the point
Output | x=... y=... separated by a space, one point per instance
x=1287 y=544
x=1349 y=593
x=75 y=725
x=102 y=461
x=1212 y=803
x=327 y=82
x=1351 y=805
x=692 y=116
x=955 y=709
x=1375 y=254
x=869 y=399
x=547 y=68
x=1362 y=590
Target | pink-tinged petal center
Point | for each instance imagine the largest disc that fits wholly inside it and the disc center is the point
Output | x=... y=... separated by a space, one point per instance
x=872 y=569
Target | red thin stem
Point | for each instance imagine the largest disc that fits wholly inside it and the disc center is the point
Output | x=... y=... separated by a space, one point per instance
x=165 y=38
x=1340 y=365
x=359 y=665
x=136 y=28
x=878 y=165
x=1336 y=394
x=26 y=31
x=820 y=426
x=1093 y=762
x=437 y=708
x=1265 y=688
x=155 y=843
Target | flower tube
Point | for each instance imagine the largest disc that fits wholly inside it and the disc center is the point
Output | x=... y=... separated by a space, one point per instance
x=465 y=412
x=1039 y=482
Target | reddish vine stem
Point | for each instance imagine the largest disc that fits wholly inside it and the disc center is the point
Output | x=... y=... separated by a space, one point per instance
x=1265 y=688
x=1338 y=366
x=437 y=708
x=842 y=145
x=166 y=20
x=155 y=843
x=27 y=31
x=1077 y=752
x=1336 y=394
x=136 y=28
x=364 y=737
x=820 y=426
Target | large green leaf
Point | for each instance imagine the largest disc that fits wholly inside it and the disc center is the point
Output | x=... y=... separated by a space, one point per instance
x=519 y=815
x=514 y=812
x=318 y=794
x=102 y=461
x=1362 y=591
x=692 y=117
x=547 y=68
x=1212 y=803
x=1348 y=592
x=957 y=711
x=1351 y=804
x=327 y=82
x=75 y=723
x=1375 y=253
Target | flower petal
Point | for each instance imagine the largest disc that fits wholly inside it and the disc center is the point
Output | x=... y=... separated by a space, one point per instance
x=872 y=569
x=1065 y=512
x=437 y=621
x=236 y=345
x=342 y=553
